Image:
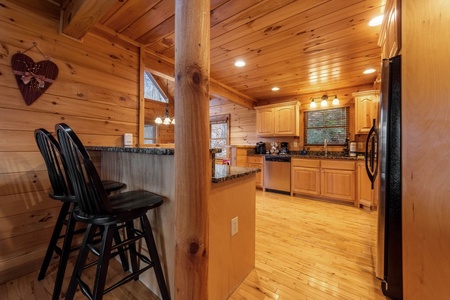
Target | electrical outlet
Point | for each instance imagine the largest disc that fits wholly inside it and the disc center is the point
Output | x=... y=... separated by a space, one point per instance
x=360 y=144
x=234 y=226
x=295 y=144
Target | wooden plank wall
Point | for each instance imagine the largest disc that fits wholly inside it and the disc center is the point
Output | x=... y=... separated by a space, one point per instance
x=425 y=149
x=243 y=120
x=96 y=93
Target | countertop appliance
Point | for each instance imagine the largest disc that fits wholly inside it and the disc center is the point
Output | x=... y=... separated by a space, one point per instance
x=383 y=157
x=277 y=173
x=260 y=148
x=284 y=148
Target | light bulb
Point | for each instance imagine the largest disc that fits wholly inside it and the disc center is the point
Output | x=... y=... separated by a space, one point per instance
x=158 y=120
x=313 y=104
x=335 y=101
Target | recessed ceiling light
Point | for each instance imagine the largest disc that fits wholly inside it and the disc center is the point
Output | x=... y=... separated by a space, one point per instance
x=376 y=21
x=239 y=63
x=369 y=71
x=275 y=88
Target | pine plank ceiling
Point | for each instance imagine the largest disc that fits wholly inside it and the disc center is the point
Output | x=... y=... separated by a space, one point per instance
x=301 y=46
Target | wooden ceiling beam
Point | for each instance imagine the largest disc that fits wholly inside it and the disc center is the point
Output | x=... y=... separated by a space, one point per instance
x=79 y=16
x=164 y=68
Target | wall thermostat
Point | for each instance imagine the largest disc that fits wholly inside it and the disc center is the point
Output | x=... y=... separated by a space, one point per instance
x=128 y=139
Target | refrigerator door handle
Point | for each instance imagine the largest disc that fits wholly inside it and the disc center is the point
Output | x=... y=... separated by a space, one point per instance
x=371 y=155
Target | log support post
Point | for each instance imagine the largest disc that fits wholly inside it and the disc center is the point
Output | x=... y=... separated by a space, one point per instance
x=192 y=156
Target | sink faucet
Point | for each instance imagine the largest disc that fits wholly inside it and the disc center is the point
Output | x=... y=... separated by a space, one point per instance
x=325 y=147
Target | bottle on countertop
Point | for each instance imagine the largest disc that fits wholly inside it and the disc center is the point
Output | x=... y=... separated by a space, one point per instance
x=304 y=152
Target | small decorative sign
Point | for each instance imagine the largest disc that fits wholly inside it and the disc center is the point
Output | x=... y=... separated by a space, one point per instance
x=33 y=79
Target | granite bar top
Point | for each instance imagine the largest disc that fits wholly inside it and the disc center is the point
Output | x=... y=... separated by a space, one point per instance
x=223 y=173
x=145 y=150
x=220 y=173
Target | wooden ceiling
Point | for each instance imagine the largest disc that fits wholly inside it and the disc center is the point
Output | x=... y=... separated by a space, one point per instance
x=301 y=46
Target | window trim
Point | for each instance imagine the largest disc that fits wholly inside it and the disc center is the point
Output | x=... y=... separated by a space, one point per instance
x=221 y=119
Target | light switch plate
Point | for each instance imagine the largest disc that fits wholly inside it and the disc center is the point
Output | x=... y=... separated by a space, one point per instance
x=128 y=139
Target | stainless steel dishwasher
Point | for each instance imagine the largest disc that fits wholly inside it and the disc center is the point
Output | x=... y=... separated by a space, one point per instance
x=277 y=173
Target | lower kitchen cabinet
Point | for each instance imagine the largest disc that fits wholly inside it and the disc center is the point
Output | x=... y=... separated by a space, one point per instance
x=327 y=178
x=257 y=162
x=366 y=196
x=338 y=180
x=305 y=177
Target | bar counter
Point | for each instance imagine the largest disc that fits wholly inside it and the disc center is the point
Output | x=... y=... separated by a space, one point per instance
x=233 y=194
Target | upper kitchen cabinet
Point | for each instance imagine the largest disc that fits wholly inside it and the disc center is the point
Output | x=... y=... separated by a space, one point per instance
x=278 y=119
x=390 y=39
x=366 y=109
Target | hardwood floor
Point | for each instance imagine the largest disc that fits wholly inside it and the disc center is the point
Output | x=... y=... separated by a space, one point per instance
x=305 y=249
x=308 y=249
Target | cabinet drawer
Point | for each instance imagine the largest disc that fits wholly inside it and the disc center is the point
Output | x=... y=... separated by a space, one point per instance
x=255 y=159
x=309 y=163
x=338 y=165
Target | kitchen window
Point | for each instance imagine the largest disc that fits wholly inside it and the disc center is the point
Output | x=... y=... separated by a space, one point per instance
x=219 y=131
x=330 y=124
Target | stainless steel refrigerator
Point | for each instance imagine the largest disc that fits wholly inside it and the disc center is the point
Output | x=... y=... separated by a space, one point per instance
x=383 y=158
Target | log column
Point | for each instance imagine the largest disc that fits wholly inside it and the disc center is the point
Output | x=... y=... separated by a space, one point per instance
x=192 y=158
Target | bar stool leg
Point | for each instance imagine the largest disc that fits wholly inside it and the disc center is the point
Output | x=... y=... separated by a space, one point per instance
x=151 y=245
x=54 y=239
x=81 y=261
x=133 y=256
x=103 y=262
x=122 y=255
x=67 y=245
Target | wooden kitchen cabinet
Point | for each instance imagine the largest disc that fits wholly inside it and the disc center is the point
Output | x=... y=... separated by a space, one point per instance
x=365 y=195
x=338 y=180
x=325 y=178
x=305 y=176
x=278 y=119
x=390 y=39
x=366 y=109
x=257 y=162
x=264 y=122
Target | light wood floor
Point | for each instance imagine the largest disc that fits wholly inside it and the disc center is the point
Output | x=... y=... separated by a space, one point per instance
x=305 y=249
x=308 y=249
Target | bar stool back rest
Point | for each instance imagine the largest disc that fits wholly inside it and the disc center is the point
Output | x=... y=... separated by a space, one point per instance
x=92 y=197
x=51 y=152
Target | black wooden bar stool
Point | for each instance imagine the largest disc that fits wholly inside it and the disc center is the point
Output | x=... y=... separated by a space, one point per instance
x=61 y=190
x=109 y=213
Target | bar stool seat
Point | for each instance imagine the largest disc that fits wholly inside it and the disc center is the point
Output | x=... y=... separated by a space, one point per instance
x=110 y=214
x=61 y=191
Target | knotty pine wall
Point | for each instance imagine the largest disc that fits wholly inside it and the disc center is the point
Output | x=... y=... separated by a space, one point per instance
x=96 y=93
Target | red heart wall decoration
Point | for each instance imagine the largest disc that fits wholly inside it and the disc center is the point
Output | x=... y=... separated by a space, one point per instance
x=33 y=79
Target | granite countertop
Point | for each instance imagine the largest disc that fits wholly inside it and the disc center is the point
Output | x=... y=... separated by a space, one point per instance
x=220 y=173
x=146 y=150
x=225 y=172
x=314 y=155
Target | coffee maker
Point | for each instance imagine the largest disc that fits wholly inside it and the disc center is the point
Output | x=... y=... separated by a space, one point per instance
x=260 y=148
x=284 y=148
